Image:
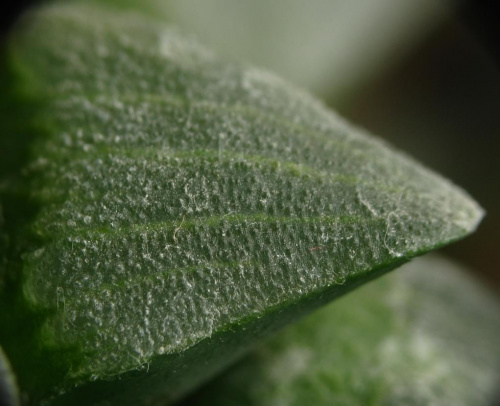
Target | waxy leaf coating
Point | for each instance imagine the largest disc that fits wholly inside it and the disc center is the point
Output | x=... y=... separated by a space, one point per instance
x=184 y=207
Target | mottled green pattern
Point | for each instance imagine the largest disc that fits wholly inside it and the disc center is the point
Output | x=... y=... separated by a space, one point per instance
x=425 y=335
x=182 y=198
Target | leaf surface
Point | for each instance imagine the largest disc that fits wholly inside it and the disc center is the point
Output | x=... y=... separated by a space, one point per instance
x=425 y=335
x=185 y=207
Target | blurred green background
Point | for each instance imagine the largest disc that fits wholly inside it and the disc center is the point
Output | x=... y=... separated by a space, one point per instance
x=423 y=74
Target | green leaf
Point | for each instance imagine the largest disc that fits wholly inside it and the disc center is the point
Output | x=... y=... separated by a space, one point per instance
x=425 y=335
x=176 y=208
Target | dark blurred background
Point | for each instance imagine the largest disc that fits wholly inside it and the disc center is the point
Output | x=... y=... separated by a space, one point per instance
x=436 y=97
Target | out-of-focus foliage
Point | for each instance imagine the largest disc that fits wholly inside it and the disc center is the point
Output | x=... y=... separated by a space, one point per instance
x=328 y=46
x=9 y=395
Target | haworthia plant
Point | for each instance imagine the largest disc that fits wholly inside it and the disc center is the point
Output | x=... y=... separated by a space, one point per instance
x=425 y=335
x=174 y=208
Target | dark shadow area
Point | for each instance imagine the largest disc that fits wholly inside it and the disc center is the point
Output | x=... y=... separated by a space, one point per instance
x=482 y=17
x=10 y=10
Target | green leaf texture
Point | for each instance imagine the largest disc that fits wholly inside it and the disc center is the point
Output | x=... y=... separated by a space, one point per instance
x=425 y=335
x=184 y=207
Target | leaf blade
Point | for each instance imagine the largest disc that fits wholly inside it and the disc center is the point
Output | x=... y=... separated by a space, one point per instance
x=183 y=199
x=425 y=334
